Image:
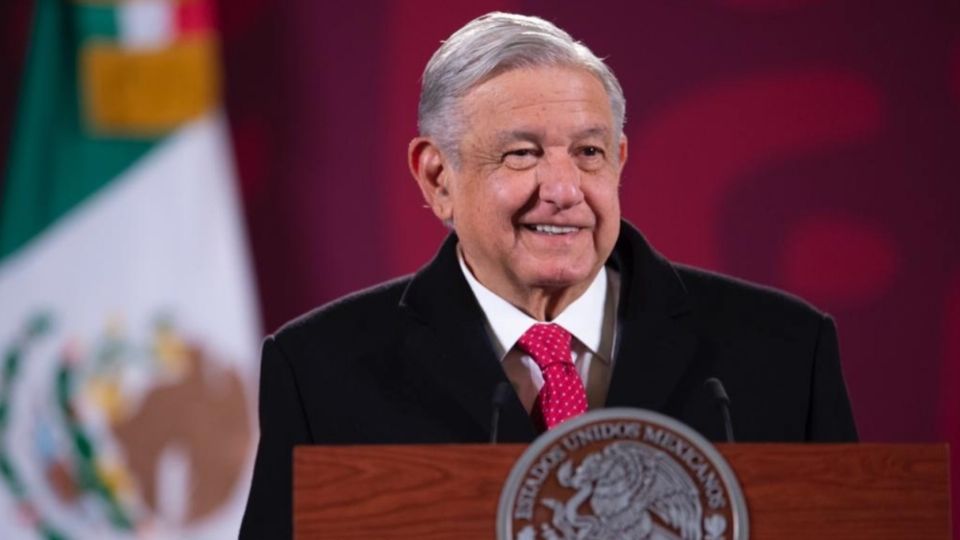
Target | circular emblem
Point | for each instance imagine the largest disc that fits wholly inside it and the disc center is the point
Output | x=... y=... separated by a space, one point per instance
x=628 y=474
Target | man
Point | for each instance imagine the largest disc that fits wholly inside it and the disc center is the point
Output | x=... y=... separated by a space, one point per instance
x=540 y=284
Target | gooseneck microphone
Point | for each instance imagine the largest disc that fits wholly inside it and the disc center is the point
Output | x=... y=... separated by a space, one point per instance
x=718 y=392
x=501 y=393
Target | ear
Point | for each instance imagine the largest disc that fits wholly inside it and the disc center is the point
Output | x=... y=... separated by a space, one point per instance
x=622 y=152
x=429 y=169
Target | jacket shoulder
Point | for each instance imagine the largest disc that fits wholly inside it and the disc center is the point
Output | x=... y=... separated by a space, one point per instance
x=733 y=301
x=368 y=312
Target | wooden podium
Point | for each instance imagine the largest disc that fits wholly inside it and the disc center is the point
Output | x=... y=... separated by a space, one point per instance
x=808 y=491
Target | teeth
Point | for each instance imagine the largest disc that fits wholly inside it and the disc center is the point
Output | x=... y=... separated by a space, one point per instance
x=554 y=229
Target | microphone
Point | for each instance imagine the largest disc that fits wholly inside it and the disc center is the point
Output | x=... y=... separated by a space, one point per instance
x=715 y=387
x=501 y=393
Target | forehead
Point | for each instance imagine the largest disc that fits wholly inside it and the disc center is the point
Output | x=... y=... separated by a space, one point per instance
x=542 y=98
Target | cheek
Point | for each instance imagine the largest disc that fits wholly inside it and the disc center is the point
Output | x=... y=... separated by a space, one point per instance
x=504 y=198
x=485 y=211
x=604 y=198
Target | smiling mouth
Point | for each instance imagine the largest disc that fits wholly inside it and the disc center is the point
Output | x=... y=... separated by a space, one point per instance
x=552 y=229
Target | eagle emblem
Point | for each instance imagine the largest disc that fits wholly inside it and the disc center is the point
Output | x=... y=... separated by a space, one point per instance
x=624 y=474
x=625 y=485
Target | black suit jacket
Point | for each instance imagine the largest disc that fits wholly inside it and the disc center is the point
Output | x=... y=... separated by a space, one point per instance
x=410 y=361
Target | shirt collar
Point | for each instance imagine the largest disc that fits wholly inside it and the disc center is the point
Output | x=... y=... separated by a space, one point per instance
x=584 y=318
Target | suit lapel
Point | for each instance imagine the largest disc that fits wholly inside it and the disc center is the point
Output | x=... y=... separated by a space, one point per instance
x=653 y=355
x=654 y=348
x=450 y=344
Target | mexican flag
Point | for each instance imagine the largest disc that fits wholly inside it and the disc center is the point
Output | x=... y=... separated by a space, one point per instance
x=128 y=322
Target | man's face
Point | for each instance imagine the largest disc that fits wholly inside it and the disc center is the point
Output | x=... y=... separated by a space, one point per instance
x=534 y=200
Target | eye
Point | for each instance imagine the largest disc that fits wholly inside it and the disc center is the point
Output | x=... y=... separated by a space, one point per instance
x=521 y=158
x=592 y=151
x=591 y=157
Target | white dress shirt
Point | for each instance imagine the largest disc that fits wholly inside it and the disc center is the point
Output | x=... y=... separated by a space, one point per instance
x=591 y=319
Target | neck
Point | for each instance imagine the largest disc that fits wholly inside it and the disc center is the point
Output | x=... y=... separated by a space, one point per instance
x=543 y=304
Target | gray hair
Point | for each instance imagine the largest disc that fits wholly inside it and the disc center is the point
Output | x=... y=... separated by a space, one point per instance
x=488 y=46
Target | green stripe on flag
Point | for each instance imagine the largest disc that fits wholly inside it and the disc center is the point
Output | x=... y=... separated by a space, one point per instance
x=55 y=162
x=97 y=21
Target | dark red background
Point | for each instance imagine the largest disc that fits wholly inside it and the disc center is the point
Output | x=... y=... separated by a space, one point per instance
x=808 y=145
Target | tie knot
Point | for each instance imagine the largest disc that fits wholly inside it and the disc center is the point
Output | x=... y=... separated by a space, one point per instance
x=546 y=343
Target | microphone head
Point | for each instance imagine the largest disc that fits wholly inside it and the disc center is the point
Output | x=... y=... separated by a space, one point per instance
x=501 y=393
x=716 y=388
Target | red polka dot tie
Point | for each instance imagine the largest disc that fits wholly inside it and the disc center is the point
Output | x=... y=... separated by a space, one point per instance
x=562 y=395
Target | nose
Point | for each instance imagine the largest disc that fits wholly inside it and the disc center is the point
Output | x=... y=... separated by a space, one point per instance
x=560 y=182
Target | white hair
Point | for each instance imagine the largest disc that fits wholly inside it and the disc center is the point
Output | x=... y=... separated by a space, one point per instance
x=488 y=46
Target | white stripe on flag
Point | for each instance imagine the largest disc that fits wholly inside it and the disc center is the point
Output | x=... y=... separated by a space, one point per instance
x=146 y=24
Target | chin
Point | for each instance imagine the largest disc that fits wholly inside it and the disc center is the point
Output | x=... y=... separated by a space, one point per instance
x=560 y=278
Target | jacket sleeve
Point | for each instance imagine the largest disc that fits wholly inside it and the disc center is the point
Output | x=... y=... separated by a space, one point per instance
x=269 y=511
x=830 y=418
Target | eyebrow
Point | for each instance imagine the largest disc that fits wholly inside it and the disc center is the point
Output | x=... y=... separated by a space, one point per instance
x=597 y=131
x=506 y=137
